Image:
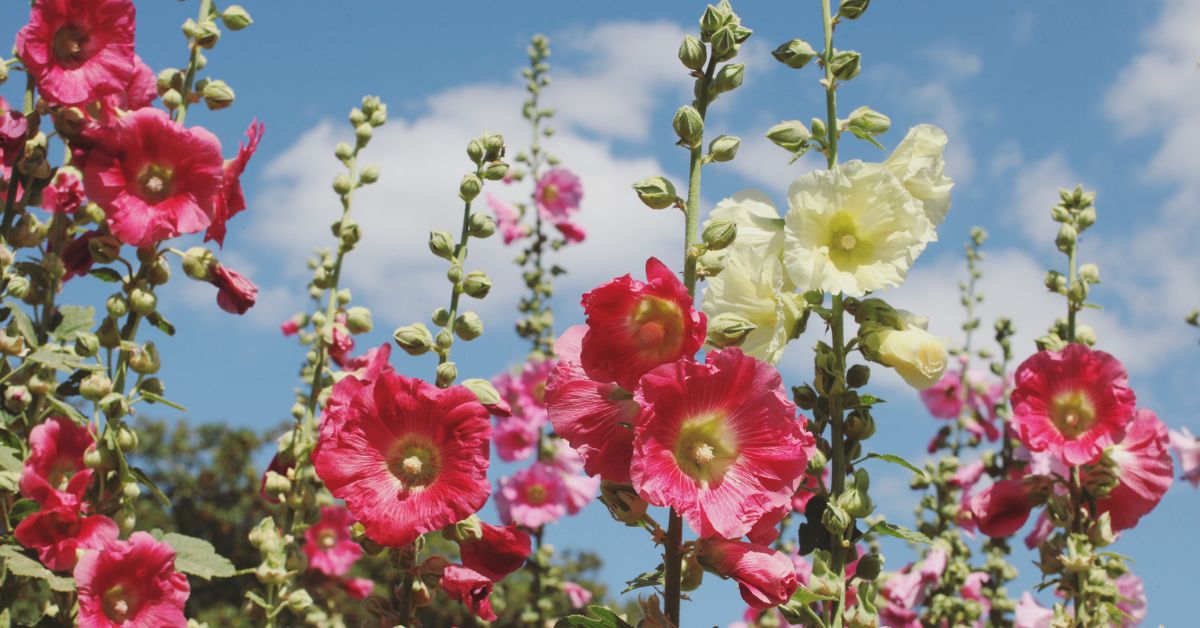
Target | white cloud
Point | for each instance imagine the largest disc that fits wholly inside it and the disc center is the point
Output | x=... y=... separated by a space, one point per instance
x=1035 y=191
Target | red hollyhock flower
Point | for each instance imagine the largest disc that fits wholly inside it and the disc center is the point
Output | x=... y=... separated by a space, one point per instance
x=235 y=293
x=14 y=132
x=765 y=577
x=635 y=326
x=719 y=442
x=1073 y=402
x=64 y=195
x=471 y=588
x=595 y=417
x=77 y=257
x=131 y=584
x=231 y=201
x=58 y=532
x=359 y=588
x=78 y=50
x=501 y=551
x=54 y=471
x=328 y=545
x=139 y=92
x=1144 y=471
x=1002 y=508
x=154 y=178
x=407 y=457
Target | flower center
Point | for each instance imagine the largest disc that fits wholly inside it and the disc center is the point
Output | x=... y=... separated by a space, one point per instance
x=536 y=494
x=656 y=326
x=549 y=194
x=1072 y=413
x=848 y=241
x=70 y=46
x=539 y=392
x=704 y=454
x=704 y=449
x=154 y=184
x=120 y=604
x=413 y=461
x=847 y=247
x=327 y=539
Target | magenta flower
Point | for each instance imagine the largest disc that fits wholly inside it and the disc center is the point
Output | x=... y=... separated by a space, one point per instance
x=471 y=588
x=78 y=50
x=532 y=497
x=499 y=552
x=231 y=201
x=1002 y=508
x=328 y=545
x=64 y=195
x=581 y=489
x=131 y=584
x=558 y=194
x=235 y=293
x=765 y=577
x=515 y=438
x=1030 y=614
x=54 y=472
x=1187 y=449
x=1144 y=471
x=59 y=532
x=359 y=588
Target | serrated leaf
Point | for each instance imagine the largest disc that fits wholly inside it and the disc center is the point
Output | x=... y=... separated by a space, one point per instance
x=108 y=275
x=60 y=360
x=198 y=557
x=23 y=565
x=153 y=398
x=10 y=460
x=161 y=323
x=601 y=617
x=653 y=578
x=154 y=490
x=74 y=320
x=894 y=459
x=25 y=326
x=900 y=532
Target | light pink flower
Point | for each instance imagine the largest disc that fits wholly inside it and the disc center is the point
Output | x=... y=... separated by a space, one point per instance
x=54 y=471
x=578 y=596
x=933 y=565
x=78 y=50
x=328 y=545
x=533 y=496
x=581 y=489
x=765 y=577
x=59 y=532
x=515 y=438
x=967 y=475
x=1040 y=532
x=1187 y=449
x=972 y=589
x=1030 y=614
x=508 y=219
x=944 y=399
x=558 y=194
x=1144 y=471
x=1131 y=598
x=131 y=584
x=530 y=389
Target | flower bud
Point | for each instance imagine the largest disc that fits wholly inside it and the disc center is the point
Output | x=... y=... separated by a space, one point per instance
x=86 y=344
x=235 y=18
x=477 y=284
x=127 y=439
x=358 y=320
x=454 y=273
x=442 y=244
x=363 y=133
x=869 y=566
x=206 y=34
x=719 y=234
x=867 y=121
x=468 y=326
x=835 y=519
x=142 y=301
x=496 y=170
x=481 y=225
x=711 y=263
x=104 y=249
x=441 y=317
x=1089 y=273
x=1086 y=217
x=805 y=397
x=198 y=263
x=692 y=574
x=116 y=306
x=689 y=126
x=447 y=372
x=469 y=188
x=145 y=360
x=108 y=334
x=357 y=117
x=475 y=152
x=95 y=387
x=846 y=64
x=3 y=72
x=853 y=9
x=379 y=116
x=858 y=375
x=860 y=425
x=692 y=53
x=493 y=147
x=152 y=385
x=1100 y=533
x=623 y=502
x=713 y=19
x=469 y=529
x=17 y=398
x=343 y=151
x=729 y=330
x=795 y=53
x=1066 y=238
x=369 y=175
x=1055 y=282
x=1084 y=334
x=114 y=405
x=218 y=95
x=656 y=192
x=724 y=148
x=342 y=185
x=728 y=78
x=724 y=44
x=790 y=135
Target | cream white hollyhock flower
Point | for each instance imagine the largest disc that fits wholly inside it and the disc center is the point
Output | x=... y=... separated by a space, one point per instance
x=759 y=226
x=852 y=230
x=917 y=163
x=918 y=356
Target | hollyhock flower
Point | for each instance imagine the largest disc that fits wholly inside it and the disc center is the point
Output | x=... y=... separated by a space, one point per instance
x=933 y=565
x=231 y=201
x=14 y=132
x=852 y=230
x=1131 y=593
x=719 y=442
x=765 y=577
x=515 y=439
x=406 y=456
x=131 y=583
x=54 y=470
x=972 y=589
x=341 y=342
x=809 y=486
x=532 y=497
x=1073 y=402
x=917 y=356
x=530 y=389
x=58 y=533
x=370 y=365
x=1187 y=449
x=766 y=530
x=289 y=327
x=64 y=195
x=154 y=178
x=635 y=326
x=578 y=596
x=917 y=163
x=1030 y=614
x=1002 y=508
x=558 y=194
x=905 y=589
x=1144 y=471
x=77 y=256
x=499 y=552
x=471 y=588
x=581 y=489
x=1040 y=532
x=571 y=232
x=78 y=50
x=235 y=293
x=359 y=588
x=967 y=475
x=508 y=219
x=595 y=417
x=757 y=289
x=328 y=545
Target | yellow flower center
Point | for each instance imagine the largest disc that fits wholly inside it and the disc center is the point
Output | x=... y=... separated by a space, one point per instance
x=327 y=539
x=120 y=604
x=705 y=449
x=848 y=249
x=656 y=325
x=414 y=461
x=549 y=194
x=848 y=241
x=536 y=494
x=1072 y=413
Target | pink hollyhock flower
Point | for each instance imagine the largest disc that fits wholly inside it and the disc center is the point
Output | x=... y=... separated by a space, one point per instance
x=1030 y=614
x=508 y=219
x=78 y=50
x=406 y=456
x=895 y=616
x=558 y=194
x=14 y=132
x=635 y=326
x=1073 y=402
x=499 y=552
x=967 y=475
x=289 y=327
x=595 y=417
x=138 y=93
x=77 y=256
x=359 y=588
x=581 y=489
x=515 y=438
x=765 y=577
x=944 y=399
x=1187 y=448
x=328 y=545
x=471 y=588
x=154 y=178
x=530 y=389
x=54 y=471
x=972 y=589
x=577 y=595
x=809 y=486
x=1144 y=471
x=1002 y=508
x=1040 y=532
x=719 y=442
x=60 y=531
x=131 y=584
x=1131 y=594
x=341 y=342
x=906 y=589
x=231 y=201
x=370 y=365
x=933 y=565
x=766 y=530
x=64 y=195
x=570 y=231
x=532 y=497
x=235 y=293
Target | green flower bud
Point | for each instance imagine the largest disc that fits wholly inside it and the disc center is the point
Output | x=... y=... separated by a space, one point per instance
x=692 y=53
x=692 y=574
x=343 y=151
x=17 y=398
x=114 y=405
x=363 y=133
x=724 y=148
x=496 y=170
x=795 y=53
x=493 y=147
x=790 y=135
x=689 y=126
x=1100 y=533
x=358 y=320
x=342 y=185
x=846 y=64
x=441 y=317
x=235 y=18
x=469 y=188
x=729 y=78
x=127 y=439
x=805 y=397
x=719 y=234
x=116 y=305
x=713 y=19
x=95 y=458
x=869 y=566
x=142 y=301
x=858 y=375
x=130 y=491
x=728 y=330
x=468 y=326
x=1066 y=238
x=447 y=372
x=475 y=152
x=299 y=600
x=835 y=519
x=94 y=387
x=454 y=273
x=443 y=340
x=623 y=502
x=145 y=360
x=18 y=286
x=477 y=284
x=218 y=95
x=3 y=72
x=656 y=192
x=168 y=79
x=1055 y=282
x=1089 y=273
x=86 y=344
x=1086 y=217
x=481 y=225
x=853 y=9
x=108 y=334
x=369 y=175
x=867 y=121
x=277 y=484
x=860 y=425
x=855 y=501
x=13 y=345
x=724 y=44
x=198 y=263
x=469 y=529
x=172 y=99
x=206 y=34
x=159 y=272
x=1084 y=334
x=152 y=385
x=442 y=244
x=711 y=263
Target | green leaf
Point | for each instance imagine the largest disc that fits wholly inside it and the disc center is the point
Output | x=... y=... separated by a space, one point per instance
x=863 y=135
x=61 y=360
x=67 y=409
x=25 y=326
x=866 y=401
x=10 y=468
x=161 y=323
x=74 y=320
x=894 y=459
x=806 y=597
x=157 y=492
x=21 y=509
x=23 y=565
x=197 y=557
x=600 y=617
x=649 y=579
x=108 y=275
x=900 y=532
x=153 y=398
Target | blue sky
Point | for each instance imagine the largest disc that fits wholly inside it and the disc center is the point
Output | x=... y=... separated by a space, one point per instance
x=1034 y=95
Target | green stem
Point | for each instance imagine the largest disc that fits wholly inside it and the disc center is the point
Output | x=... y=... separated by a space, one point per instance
x=406 y=598
x=1072 y=307
x=460 y=256
x=193 y=58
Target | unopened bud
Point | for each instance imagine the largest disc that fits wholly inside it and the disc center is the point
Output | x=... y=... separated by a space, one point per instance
x=142 y=301
x=468 y=326
x=475 y=152
x=795 y=53
x=206 y=34
x=724 y=148
x=729 y=78
x=469 y=188
x=17 y=398
x=656 y=192
x=853 y=9
x=869 y=566
x=1066 y=238
x=623 y=502
x=342 y=185
x=481 y=225
x=689 y=126
x=104 y=249
x=867 y=121
x=729 y=330
x=846 y=64
x=477 y=284
x=1089 y=273
x=95 y=387
x=86 y=344
x=711 y=263
x=358 y=320
x=790 y=135
x=218 y=95
x=363 y=133
x=447 y=372
x=858 y=375
x=496 y=170
x=835 y=519
x=343 y=151
x=145 y=359
x=442 y=244
x=719 y=234
x=236 y=18
x=692 y=574
x=369 y=175
x=692 y=53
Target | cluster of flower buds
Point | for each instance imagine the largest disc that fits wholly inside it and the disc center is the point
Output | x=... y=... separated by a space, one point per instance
x=1075 y=213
